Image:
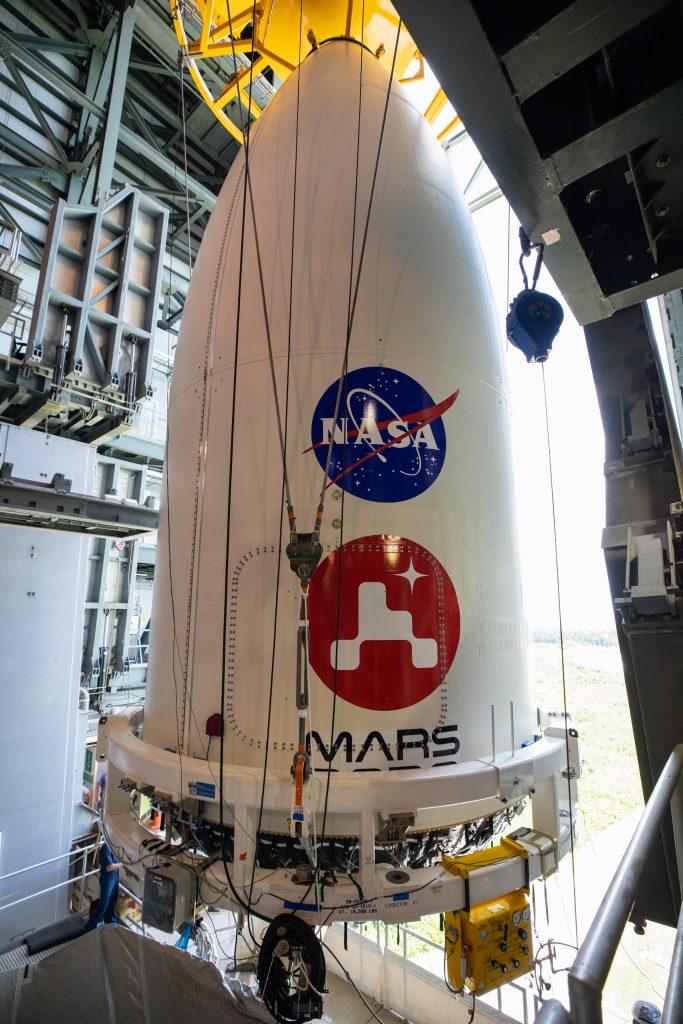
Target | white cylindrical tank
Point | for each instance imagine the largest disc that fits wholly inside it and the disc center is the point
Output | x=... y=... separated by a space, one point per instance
x=417 y=646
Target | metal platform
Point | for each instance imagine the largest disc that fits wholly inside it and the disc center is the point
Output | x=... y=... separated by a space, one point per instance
x=53 y=506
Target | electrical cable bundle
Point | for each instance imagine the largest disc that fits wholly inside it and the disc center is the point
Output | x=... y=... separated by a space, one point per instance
x=291 y=971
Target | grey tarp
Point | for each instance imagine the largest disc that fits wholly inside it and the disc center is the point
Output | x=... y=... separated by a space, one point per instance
x=115 y=976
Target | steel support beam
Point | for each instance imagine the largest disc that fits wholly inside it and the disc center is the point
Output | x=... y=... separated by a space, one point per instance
x=673 y=999
x=163 y=163
x=589 y=972
x=30 y=243
x=639 y=490
x=43 y=44
x=29 y=150
x=653 y=118
x=454 y=43
x=41 y=120
x=82 y=189
x=117 y=91
x=25 y=503
x=511 y=81
x=572 y=36
x=60 y=83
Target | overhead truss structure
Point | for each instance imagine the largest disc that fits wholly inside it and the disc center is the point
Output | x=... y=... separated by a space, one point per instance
x=91 y=102
x=87 y=362
x=263 y=44
x=98 y=99
x=577 y=108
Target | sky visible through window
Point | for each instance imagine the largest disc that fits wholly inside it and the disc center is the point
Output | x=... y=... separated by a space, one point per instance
x=576 y=447
x=576 y=435
x=576 y=438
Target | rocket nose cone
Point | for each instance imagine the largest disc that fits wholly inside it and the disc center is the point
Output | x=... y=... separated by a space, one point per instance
x=352 y=291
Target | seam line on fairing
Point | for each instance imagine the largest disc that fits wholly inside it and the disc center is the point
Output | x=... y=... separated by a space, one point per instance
x=195 y=555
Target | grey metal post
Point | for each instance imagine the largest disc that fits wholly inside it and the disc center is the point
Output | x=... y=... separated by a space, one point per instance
x=47 y=266
x=671 y=1012
x=146 y=357
x=118 y=309
x=669 y=411
x=84 y=861
x=82 y=189
x=591 y=967
x=677 y=822
x=117 y=91
x=552 y=1012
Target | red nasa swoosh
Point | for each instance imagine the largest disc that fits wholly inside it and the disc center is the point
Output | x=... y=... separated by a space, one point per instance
x=421 y=419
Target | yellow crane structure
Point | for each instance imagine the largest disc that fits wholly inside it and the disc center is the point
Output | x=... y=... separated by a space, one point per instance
x=273 y=36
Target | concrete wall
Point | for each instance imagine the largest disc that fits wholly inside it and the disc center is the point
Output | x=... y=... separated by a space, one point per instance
x=42 y=581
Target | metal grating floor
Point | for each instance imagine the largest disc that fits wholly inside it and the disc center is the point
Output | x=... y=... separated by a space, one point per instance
x=20 y=957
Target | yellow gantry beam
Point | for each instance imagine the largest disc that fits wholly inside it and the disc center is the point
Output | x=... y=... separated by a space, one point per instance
x=278 y=37
x=436 y=106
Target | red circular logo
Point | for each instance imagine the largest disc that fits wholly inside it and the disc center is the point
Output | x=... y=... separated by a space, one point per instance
x=384 y=622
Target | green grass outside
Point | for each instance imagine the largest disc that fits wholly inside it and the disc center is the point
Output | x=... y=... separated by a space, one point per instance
x=609 y=789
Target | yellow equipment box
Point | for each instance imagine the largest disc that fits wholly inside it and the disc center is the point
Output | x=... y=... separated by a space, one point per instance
x=490 y=944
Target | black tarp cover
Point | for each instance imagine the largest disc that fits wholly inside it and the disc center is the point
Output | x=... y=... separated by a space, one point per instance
x=115 y=976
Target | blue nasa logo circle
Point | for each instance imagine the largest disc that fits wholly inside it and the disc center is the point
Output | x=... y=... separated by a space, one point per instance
x=389 y=439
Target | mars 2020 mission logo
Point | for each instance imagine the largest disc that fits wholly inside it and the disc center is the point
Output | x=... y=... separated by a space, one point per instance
x=398 y=627
x=389 y=441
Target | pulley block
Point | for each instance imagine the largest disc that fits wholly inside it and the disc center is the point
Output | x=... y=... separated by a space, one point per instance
x=533 y=322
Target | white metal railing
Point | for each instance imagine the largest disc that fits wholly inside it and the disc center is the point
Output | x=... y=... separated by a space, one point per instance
x=9 y=254
x=589 y=973
x=81 y=851
x=528 y=999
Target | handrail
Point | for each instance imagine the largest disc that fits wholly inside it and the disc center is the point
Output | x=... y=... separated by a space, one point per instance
x=51 y=888
x=12 y=249
x=589 y=973
x=671 y=1011
x=79 y=851
x=51 y=860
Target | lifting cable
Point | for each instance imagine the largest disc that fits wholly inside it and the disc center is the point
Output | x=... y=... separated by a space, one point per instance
x=187 y=187
x=179 y=731
x=532 y=323
x=343 y=376
x=285 y=485
x=246 y=132
x=190 y=613
x=281 y=432
x=342 y=381
x=352 y=315
x=315 y=882
x=559 y=612
x=247 y=143
x=351 y=309
x=271 y=361
x=176 y=646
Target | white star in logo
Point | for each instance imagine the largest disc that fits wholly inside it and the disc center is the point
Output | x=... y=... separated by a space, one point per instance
x=411 y=574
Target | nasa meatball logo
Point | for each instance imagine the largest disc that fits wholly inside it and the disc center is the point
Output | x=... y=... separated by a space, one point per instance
x=388 y=441
x=386 y=639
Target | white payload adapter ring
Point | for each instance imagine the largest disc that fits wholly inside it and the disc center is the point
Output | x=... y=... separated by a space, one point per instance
x=539 y=771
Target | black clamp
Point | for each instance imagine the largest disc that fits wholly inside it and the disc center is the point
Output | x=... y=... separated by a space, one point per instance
x=304 y=551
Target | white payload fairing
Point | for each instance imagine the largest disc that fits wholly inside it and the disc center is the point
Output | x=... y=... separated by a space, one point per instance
x=340 y=290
